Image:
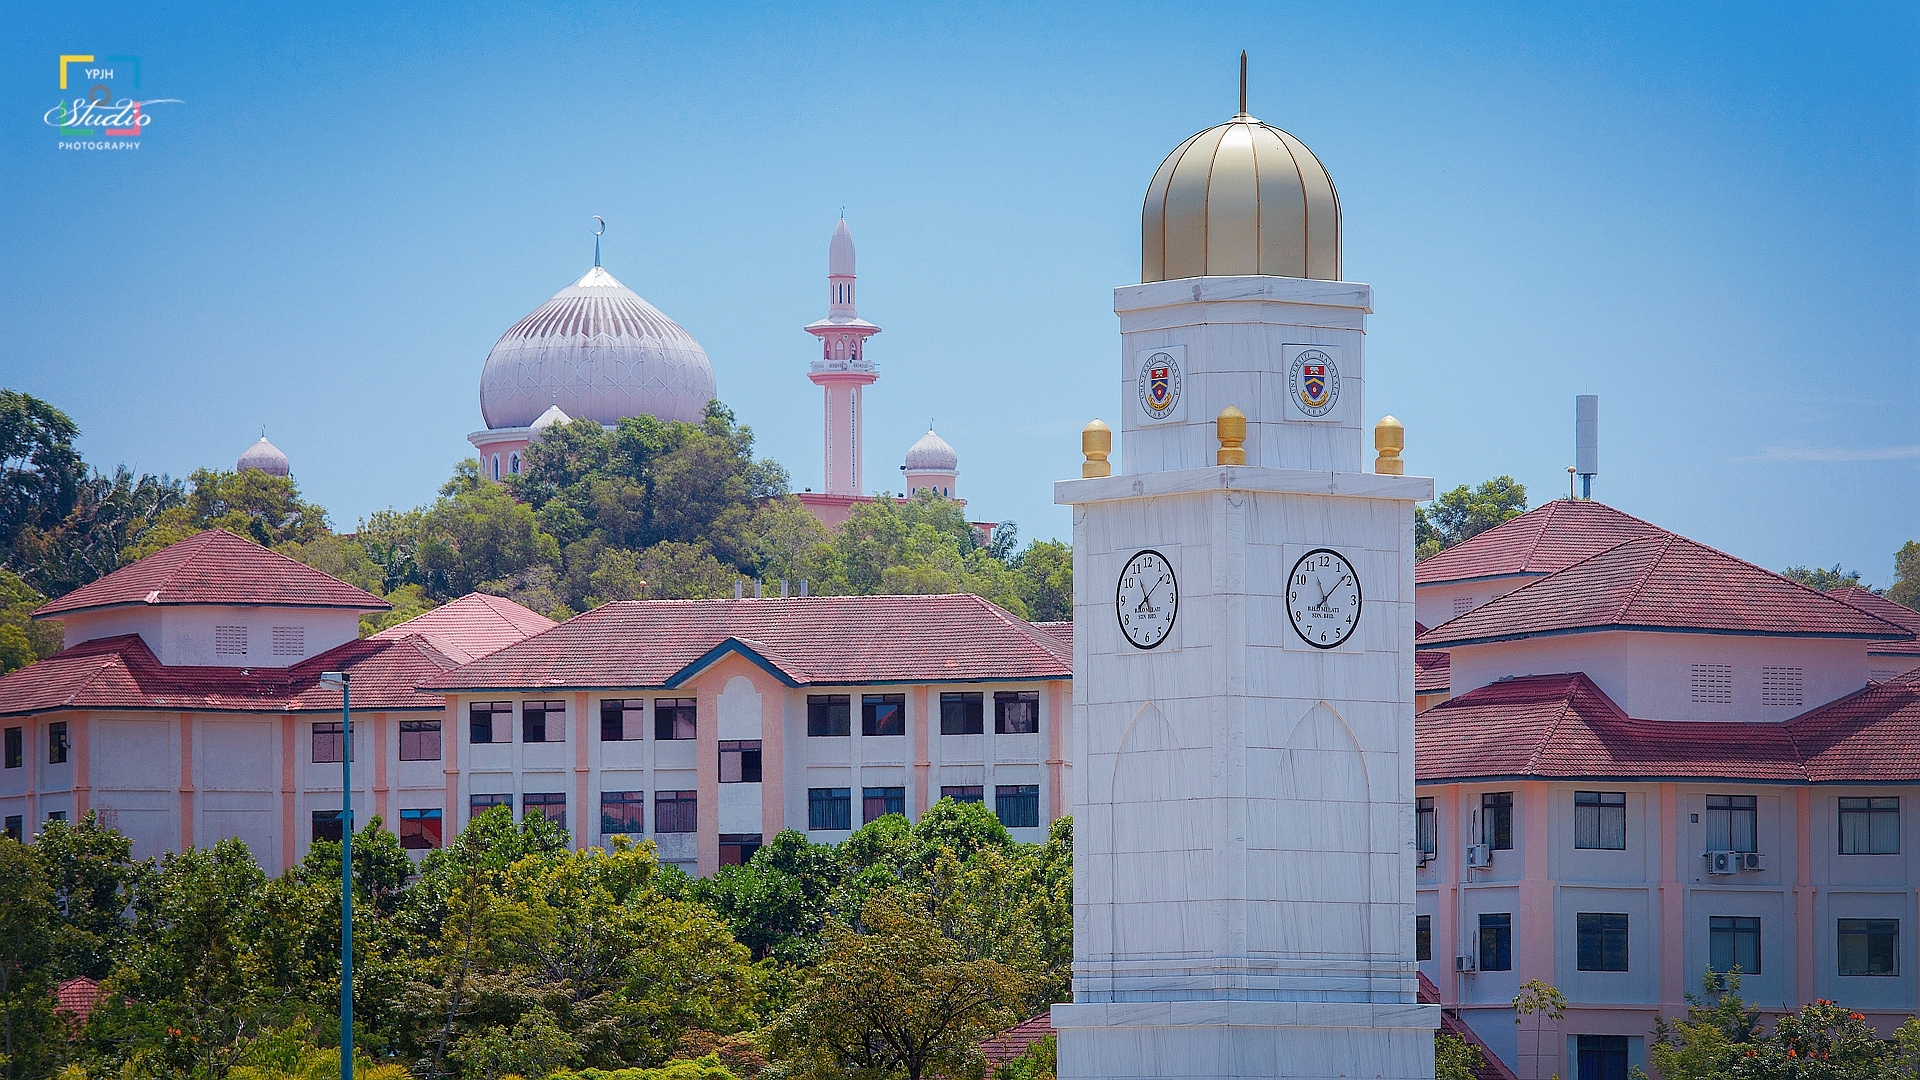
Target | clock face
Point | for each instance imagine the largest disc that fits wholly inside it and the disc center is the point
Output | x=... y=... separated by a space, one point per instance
x=1146 y=599
x=1323 y=598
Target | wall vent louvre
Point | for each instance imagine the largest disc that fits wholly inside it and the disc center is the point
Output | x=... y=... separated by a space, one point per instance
x=230 y=641
x=289 y=641
x=1782 y=686
x=1712 y=683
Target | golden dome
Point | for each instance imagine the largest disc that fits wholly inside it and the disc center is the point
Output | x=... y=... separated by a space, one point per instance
x=1241 y=198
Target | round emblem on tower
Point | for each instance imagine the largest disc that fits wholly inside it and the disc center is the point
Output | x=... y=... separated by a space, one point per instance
x=1314 y=382
x=1159 y=384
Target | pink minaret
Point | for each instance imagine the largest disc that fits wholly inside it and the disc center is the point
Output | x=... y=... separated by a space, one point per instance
x=843 y=368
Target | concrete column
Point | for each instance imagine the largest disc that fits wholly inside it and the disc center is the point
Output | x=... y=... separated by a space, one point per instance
x=1448 y=934
x=1056 y=721
x=80 y=733
x=186 y=780
x=706 y=747
x=450 y=735
x=585 y=823
x=381 y=749
x=1673 y=905
x=922 y=764
x=773 y=755
x=1804 y=897
x=289 y=822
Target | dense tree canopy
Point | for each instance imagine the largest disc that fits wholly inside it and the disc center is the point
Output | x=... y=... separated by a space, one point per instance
x=1466 y=512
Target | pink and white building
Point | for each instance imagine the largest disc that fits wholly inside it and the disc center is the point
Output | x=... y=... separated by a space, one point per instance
x=1657 y=759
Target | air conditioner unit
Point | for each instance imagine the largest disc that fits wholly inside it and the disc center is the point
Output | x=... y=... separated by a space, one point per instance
x=1721 y=862
x=1748 y=860
x=1466 y=964
x=1479 y=855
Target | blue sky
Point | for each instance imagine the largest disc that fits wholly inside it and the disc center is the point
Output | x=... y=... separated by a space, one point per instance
x=1704 y=214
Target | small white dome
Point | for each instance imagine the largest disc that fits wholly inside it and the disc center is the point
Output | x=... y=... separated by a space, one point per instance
x=931 y=454
x=840 y=252
x=552 y=416
x=265 y=457
x=605 y=352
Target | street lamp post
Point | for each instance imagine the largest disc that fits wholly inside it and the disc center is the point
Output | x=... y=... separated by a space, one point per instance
x=339 y=679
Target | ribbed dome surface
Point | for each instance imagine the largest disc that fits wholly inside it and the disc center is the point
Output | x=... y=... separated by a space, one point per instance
x=598 y=352
x=264 y=456
x=932 y=454
x=1241 y=198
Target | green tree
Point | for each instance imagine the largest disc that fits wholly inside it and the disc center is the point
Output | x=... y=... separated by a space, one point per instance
x=1454 y=1058
x=28 y=1038
x=1046 y=576
x=94 y=878
x=1039 y=1061
x=263 y=508
x=22 y=639
x=482 y=535
x=1822 y=578
x=1544 y=1004
x=669 y=570
x=1906 y=576
x=40 y=472
x=896 y=999
x=1463 y=513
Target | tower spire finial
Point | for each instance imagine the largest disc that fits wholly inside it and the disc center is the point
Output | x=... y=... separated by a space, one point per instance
x=603 y=227
x=1243 y=82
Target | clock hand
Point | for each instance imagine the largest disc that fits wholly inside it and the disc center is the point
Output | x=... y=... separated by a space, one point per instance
x=1144 y=605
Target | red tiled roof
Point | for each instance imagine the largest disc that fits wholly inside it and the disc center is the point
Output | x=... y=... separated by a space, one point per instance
x=1432 y=671
x=1563 y=726
x=215 y=567
x=1491 y=1067
x=816 y=640
x=122 y=673
x=1874 y=604
x=473 y=626
x=1014 y=1041
x=76 y=998
x=1663 y=582
x=1061 y=630
x=1549 y=537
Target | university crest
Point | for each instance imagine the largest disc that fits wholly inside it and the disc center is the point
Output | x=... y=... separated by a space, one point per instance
x=1159 y=385
x=1315 y=382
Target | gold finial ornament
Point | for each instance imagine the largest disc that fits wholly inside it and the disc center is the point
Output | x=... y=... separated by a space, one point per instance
x=1389 y=438
x=1096 y=442
x=1231 y=429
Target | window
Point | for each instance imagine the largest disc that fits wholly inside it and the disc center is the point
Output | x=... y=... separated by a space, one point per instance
x=1733 y=941
x=1600 y=820
x=543 y=721
x=963 y=793
x=829 y=715
x=623 y=720
x=57 y=743
x=877 y=802
x=419 y=740
x=327 y=742
x=56 y=815
x=623 y=813
x=740 y=761
x=1016 y=712
x=1017 y=805
x=1601 y=1057
x=737 y=848
x=289 y=640
x=1782 y=686
x=1462 y=605
x=1870 y=826
x=829 y=808
x=480 y=804
x=1869 y=946
x=326 y=825
x=1423 y=937
x=420 y=829
x=1496 y=942
x=1602 y=944
x=1733 y=823
x=883 y=714
x=16 y=747
x=1711 y=683
x=1426 y=828
x=230 y=641
x=551 y=805
x=676 y=811
x=16 y=828
x=513 y=464
x=496 y=466
x=673 y=718
x=961 y=714
x=1496 y=820
x=481 y=716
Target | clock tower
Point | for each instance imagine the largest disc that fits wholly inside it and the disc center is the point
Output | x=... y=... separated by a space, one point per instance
x=1243 y=655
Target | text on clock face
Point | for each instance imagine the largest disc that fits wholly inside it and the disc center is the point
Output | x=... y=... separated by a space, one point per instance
x=1146 y=599
x=1323 y=598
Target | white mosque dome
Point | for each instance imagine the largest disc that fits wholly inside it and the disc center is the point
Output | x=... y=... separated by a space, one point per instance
x=265 y=457
x=596 y=351
x=931 y=454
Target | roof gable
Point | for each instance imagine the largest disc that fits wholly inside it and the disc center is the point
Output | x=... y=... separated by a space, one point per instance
x=820 y=640
x=215 y=567
x=473 y=626
x=1664 y=582
x=1549 y=537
